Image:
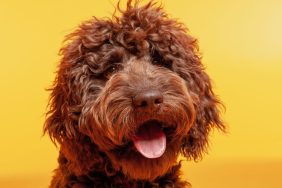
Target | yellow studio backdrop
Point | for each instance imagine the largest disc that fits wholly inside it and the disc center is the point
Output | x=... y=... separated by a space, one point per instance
x=241 y=43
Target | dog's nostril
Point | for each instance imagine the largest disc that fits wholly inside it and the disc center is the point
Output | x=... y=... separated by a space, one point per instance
x=159 y=100
x=143 y=104
x=148 y=100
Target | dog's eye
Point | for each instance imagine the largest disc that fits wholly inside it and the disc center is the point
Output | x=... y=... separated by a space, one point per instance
x=160 y=61
x=111 y=70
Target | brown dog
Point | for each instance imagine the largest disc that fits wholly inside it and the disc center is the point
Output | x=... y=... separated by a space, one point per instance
x=130 y=95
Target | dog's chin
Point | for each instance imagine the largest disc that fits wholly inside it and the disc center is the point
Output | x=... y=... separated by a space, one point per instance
x=141 y=168
x=150 y=154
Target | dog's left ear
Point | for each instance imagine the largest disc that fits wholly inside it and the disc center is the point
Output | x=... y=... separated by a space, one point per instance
x=206 y=103
x=207 y=116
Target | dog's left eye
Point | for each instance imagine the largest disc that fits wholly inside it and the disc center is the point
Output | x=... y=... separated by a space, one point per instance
x=160 y=61
x=166 y=64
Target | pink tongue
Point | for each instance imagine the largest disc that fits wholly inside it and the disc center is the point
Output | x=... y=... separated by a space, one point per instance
x=150 y=141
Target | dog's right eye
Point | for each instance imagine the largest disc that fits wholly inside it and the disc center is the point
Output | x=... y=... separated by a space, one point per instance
x=111 y=70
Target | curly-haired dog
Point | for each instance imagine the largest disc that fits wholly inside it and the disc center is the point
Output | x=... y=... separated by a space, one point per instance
x=130 y=95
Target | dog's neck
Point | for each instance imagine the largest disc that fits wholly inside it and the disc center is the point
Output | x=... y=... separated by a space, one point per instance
x=100 y=179
x=172 y=177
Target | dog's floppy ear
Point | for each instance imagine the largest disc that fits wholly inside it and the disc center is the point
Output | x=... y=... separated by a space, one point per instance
x=206 y=103
x=74 y=83
x=207 y=116
x=64 y=103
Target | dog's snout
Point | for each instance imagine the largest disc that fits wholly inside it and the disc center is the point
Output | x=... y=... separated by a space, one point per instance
x=148 y=100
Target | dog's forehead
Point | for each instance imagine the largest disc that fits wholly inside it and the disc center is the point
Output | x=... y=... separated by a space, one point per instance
x=135 y=64
x=134 y=59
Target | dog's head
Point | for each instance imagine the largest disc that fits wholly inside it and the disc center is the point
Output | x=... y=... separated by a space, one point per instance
x=132 y=90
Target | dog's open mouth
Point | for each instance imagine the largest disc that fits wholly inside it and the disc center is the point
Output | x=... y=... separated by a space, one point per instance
x=150 y=139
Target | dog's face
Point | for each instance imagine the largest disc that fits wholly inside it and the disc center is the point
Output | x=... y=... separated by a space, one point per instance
x=134 y=87
x=140 y=117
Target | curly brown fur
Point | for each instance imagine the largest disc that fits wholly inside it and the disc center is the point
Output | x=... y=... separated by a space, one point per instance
x=104 y=65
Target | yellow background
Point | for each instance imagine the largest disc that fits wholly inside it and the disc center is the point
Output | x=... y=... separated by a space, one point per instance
x=241 y=43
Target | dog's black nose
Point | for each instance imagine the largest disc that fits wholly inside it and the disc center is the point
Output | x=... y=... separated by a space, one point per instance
x=148 y=100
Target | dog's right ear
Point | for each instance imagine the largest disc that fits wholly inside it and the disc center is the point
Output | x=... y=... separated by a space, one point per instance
x=72 y=85
x=64 y=110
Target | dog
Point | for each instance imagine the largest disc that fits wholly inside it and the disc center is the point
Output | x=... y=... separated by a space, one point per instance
x=130 y=96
